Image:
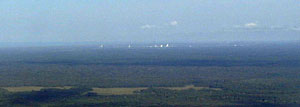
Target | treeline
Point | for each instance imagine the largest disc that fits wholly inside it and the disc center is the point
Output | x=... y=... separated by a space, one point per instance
x=148 y=97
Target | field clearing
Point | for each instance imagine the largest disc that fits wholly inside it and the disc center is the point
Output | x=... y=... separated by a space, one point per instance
x=31 y=88
x=190 y=87
x=116 y=91
x=128 y=91
x=105 y=91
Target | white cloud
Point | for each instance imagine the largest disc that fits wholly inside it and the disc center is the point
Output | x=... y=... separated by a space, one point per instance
x=254 y=26
x=295 y=28
x=147 y=26
x=174 y=23
x=250 y=25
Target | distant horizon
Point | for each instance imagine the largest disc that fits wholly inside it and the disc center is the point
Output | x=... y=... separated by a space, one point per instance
x=88 y=43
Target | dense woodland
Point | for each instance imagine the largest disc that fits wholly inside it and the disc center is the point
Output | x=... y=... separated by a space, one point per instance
x=265 y=74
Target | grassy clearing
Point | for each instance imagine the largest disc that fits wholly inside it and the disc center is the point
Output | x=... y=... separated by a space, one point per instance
x=116 y=91
x=104 y=91
x=189 y=87
x=127 y=91
x=31 y=88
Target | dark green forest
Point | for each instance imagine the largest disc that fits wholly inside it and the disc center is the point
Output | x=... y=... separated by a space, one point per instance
x=266 y=74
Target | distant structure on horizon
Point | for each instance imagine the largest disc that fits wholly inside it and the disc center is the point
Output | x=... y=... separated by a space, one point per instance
x=155 y=46
x=101 y=46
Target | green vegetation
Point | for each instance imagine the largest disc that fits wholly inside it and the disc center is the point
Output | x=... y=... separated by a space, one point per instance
x=105 y=91
x=30 y=88
x=218 y=76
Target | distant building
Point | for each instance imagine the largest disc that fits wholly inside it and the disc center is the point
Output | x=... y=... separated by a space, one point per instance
x=101 y=46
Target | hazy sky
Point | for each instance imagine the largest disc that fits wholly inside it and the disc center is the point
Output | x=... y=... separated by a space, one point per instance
x=148 y=20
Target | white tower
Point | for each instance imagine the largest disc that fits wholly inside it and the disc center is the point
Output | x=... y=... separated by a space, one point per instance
x=167 y=45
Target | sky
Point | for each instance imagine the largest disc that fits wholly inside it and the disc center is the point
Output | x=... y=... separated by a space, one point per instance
x=149 y=20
